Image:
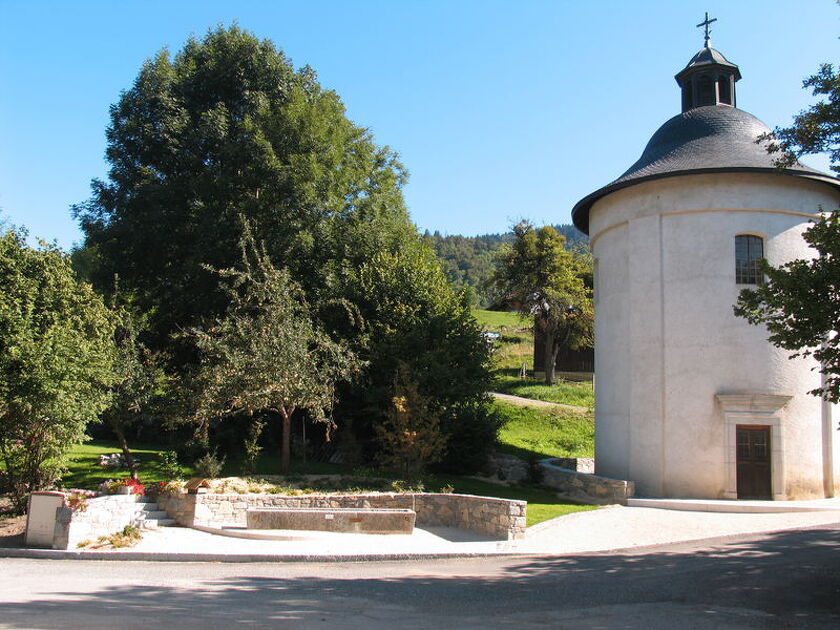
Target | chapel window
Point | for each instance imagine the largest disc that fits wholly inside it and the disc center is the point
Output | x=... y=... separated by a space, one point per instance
x=749 y=251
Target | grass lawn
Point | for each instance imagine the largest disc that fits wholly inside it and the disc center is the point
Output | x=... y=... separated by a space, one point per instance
x=537 y=433
x=515 y=347
x=578 y=393
x=85 y=472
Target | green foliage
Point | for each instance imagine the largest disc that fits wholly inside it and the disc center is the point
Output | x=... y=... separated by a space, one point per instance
x=267 y=354
x=227 y=127
x=799 y=303
x=138 y=376
x=541 y=432
x=552 y=284
x=410 y=437
x=816 y=129
x=56 y=363
x=413 y=317
x=209 y=465
x=579 y=394
x=469 y=261
x=252 y=447
x=169 y=465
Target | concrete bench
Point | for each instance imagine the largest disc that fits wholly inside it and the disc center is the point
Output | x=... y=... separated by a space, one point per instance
x=348 y=520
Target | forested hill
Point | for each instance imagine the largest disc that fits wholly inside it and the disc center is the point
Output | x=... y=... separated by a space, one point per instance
x=469 y=260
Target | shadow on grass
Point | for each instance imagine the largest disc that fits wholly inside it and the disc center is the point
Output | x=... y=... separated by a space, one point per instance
x=790 y=579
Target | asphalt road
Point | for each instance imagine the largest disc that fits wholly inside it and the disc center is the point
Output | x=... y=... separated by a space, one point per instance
x=787 y=580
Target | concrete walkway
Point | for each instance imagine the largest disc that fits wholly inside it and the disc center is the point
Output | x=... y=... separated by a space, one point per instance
x=608 y=528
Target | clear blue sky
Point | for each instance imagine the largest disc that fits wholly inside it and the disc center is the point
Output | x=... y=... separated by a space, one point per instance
x=501 y=110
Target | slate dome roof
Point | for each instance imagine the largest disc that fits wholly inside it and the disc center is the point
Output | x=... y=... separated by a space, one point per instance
x=709 y=139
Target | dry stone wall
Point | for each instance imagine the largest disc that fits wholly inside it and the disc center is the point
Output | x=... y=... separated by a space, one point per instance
x=586 y=487
x=500 y=518
x=104 y=516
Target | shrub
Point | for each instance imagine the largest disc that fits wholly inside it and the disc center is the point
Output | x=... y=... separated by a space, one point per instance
x=169 y=465
x=209 y=465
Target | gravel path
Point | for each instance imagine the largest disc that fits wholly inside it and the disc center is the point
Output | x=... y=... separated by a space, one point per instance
x=530 y=402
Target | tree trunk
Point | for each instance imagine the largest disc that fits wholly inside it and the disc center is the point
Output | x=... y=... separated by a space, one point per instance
x=286 y=440
x=129 y=458
x=549 y=355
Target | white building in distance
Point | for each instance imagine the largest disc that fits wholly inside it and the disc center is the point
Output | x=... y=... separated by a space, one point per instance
x=692 y=401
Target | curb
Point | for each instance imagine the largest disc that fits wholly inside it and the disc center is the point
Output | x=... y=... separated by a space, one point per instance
x=159 y=556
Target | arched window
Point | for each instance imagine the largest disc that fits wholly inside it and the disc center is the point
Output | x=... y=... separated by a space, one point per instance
x=749 y=250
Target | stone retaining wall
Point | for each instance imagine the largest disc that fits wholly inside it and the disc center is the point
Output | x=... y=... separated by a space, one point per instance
x=500 y=518
x=104 y=516
x=586 y=487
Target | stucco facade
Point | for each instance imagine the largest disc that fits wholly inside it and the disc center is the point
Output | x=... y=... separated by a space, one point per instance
x=676 y=371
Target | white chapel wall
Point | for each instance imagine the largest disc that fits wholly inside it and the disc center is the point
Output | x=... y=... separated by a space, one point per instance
x=667 y=341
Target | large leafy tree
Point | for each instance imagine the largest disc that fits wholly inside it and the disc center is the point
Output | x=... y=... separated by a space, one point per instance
x=815 y=129
x=228 y=127
x=550 y=283
x=799 y=302
x=56 y=363
x=267 y=353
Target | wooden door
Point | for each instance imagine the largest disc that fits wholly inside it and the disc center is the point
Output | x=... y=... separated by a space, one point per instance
x=753 y=462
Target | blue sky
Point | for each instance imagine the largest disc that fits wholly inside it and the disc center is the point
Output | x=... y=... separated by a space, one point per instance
x=501 y=110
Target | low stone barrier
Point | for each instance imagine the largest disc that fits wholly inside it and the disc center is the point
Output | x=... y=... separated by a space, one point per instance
x=104 y=516
x=348 y=520
x=586 y=487
x=502 y=519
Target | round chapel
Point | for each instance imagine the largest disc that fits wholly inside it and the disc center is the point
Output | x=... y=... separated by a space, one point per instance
x=691 y=401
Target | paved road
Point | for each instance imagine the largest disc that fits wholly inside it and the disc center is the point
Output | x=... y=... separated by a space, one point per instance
x=789 y=579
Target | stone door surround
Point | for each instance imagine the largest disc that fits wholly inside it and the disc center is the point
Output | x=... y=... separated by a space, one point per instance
x=753 y=409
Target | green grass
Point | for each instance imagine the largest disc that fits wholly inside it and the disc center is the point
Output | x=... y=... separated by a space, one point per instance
x=578 y=393
x=542 y=504
x=516 y=345
x=85 y=472
x=532 y=432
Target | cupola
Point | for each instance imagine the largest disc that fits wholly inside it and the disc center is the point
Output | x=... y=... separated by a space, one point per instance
x=709 y=78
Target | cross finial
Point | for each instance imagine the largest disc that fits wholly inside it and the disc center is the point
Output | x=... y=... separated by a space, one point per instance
x=707 y=22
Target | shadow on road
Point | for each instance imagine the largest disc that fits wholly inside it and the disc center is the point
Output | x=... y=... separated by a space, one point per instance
x=790 y=579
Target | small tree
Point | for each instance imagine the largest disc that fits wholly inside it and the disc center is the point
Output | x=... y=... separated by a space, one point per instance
x=137 y=374
x=550 y=283
x=56 y=363
x=410 y=437
x=267 y=354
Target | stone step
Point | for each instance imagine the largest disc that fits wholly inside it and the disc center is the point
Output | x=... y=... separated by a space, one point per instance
x=147 y=514
x=152 y=523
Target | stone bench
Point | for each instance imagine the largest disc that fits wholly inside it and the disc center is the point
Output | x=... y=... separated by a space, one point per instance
x=348 y=520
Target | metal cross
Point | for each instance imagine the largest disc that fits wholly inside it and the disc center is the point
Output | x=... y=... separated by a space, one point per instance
x=706 y=23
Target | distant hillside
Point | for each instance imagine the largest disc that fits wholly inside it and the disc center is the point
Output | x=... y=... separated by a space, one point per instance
x=469 y=260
